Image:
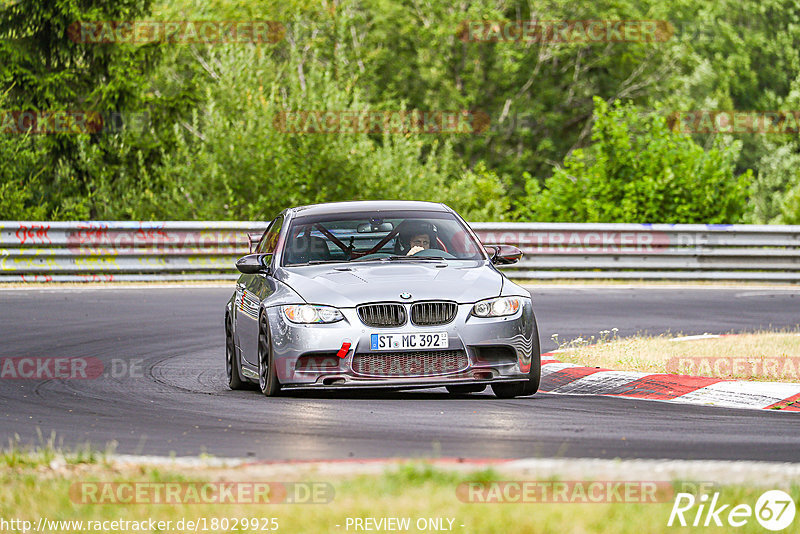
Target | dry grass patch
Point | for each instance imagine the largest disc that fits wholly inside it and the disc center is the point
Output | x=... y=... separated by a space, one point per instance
x=770 y=356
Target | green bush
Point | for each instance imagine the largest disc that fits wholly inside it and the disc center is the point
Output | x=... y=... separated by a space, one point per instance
x=776 y=189
x=638 y=170
x=20 y=177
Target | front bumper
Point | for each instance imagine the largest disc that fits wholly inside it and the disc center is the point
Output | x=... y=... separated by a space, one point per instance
x=490 y=350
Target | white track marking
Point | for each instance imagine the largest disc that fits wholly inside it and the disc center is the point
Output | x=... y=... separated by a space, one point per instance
x=741 y=394
x=599 y=383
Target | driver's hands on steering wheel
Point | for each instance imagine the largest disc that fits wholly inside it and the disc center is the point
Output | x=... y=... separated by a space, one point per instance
x=414 y=250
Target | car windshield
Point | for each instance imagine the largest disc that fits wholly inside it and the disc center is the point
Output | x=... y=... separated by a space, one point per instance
x=379 y=236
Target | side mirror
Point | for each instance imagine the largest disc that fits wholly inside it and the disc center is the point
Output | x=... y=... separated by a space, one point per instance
x=253 y=263
x=503 y=254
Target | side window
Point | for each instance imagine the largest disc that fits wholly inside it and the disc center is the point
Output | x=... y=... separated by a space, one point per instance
x=270 y=238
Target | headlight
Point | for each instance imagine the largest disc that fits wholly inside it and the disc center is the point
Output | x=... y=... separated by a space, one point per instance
x=498 y=307
x=307 y=314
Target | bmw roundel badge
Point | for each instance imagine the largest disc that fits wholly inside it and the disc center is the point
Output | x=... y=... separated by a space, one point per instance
x=405 y=296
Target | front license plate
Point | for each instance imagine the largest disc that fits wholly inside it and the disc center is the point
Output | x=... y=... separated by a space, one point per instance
x=433 y=340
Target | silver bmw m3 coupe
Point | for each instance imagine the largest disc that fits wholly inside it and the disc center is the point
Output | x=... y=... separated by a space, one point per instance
x=379 y=294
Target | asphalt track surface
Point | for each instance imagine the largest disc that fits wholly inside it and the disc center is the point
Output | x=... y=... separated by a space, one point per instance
x=174 y=398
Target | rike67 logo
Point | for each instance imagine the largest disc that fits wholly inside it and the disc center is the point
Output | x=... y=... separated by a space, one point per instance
x=774 y=510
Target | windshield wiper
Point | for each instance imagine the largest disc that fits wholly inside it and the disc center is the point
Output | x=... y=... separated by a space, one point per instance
x=400 y=258
x=319 y=262
x=416 y=258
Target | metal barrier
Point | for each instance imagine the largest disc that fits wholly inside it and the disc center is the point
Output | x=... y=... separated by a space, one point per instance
x=650 y=251
x=121 y=251
x=176 y=250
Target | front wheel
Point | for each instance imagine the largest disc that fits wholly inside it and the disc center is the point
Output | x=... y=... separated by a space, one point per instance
x=267 y=371
x=531 y=386
x=509 y=391
x=231 y=360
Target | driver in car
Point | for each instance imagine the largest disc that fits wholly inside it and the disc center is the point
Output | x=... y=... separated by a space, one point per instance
x=418 y=242
x=419 y=237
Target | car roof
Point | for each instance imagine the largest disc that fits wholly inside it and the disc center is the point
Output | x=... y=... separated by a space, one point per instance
x=367 y=205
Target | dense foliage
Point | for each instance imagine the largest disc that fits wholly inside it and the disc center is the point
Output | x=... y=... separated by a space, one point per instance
x=577 y=130
x=637 y=169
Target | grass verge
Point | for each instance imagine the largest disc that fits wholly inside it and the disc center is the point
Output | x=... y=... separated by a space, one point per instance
x=32 y=489
x=767 y=356
x=50 y=453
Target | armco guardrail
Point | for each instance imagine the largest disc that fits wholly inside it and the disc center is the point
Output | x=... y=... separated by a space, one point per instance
x=121 y=251
x=650 y=251
x=124 y=251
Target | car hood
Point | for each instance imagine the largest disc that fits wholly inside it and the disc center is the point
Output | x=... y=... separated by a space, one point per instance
x=346 y=286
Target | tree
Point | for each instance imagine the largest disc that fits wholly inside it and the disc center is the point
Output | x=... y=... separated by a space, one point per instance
x=45 y=69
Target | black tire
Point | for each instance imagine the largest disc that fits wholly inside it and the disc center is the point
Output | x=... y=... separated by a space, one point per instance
x=535 y=374
x=508 y=391
x=232 y=364
x=463 y=389
x=267 y=371
x=524 y=389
